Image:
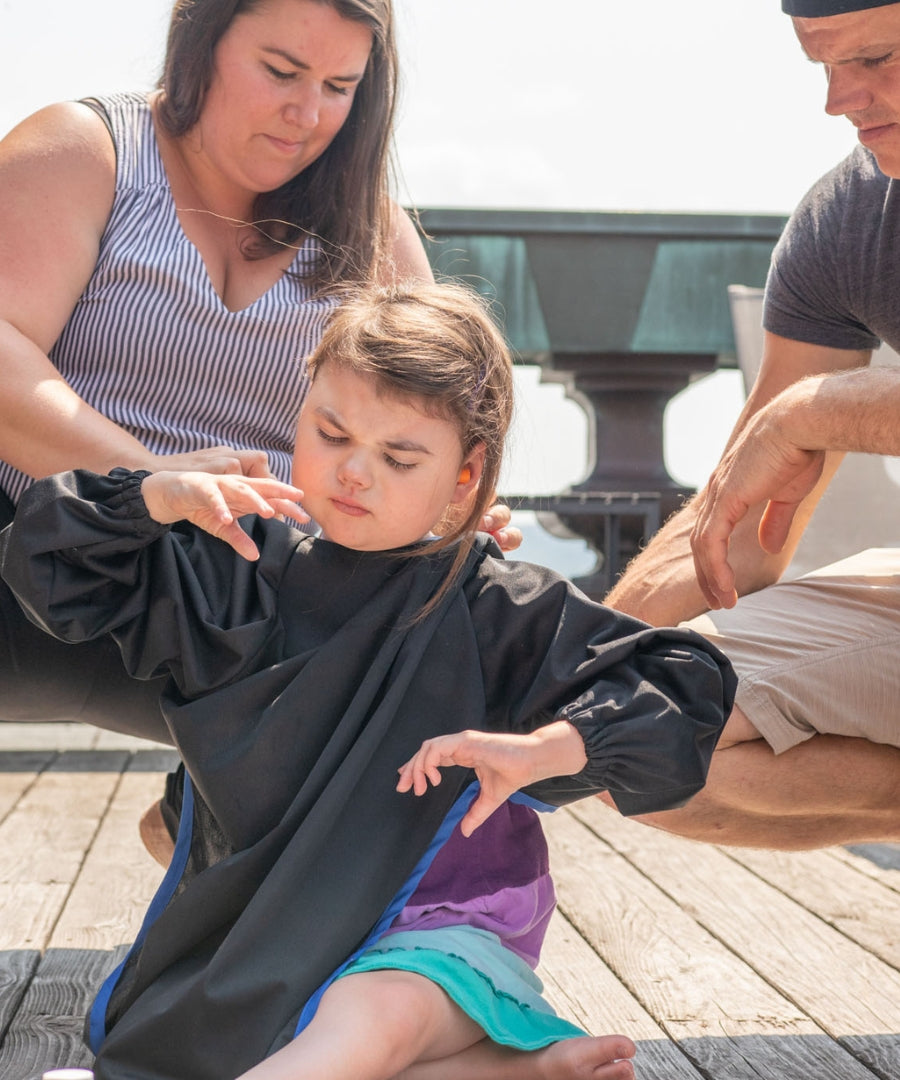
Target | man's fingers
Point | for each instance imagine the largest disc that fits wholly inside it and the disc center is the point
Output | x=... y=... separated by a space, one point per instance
x=775 y=525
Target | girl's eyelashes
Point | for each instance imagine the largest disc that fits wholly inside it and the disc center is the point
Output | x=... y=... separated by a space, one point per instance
x=338 y=440
x=395 y=464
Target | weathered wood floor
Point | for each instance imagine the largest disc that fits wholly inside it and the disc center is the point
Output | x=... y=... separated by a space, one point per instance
x=721 y=964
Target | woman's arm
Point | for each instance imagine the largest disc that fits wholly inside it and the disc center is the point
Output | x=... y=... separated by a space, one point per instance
x=406 y=260
x=57 y=176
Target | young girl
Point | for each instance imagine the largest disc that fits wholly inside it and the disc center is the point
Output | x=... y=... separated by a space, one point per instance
x=317 y=919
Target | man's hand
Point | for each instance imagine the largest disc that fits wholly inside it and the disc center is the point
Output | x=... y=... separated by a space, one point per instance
x=762 y=465
x=502 y=763
x=215 y=502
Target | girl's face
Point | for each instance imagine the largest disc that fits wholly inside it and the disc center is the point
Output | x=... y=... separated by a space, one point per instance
x=284 y=78
x=376 y=472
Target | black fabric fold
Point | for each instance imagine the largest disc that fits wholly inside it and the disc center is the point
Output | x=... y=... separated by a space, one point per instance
x=297 y=685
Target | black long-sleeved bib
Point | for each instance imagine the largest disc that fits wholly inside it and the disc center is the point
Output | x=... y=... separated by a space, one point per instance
x=298 y=685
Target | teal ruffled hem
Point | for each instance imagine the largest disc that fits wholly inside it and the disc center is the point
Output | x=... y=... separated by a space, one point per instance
x=522 y=1020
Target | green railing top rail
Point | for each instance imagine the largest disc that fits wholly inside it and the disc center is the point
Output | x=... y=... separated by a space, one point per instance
x=499 y=222
x=606 y=283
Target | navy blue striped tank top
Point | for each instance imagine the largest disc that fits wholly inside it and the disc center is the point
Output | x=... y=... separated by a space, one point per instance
x=150 y=343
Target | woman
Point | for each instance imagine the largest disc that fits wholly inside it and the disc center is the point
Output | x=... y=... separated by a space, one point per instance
x=152 y=247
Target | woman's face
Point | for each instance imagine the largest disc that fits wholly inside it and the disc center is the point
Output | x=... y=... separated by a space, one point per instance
x=284 y=78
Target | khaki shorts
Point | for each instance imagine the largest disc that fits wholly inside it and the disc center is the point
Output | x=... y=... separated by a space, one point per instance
x=820 y=654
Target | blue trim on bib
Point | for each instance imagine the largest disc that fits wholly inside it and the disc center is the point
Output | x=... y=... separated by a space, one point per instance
x=456 y=813
x=97 y=1015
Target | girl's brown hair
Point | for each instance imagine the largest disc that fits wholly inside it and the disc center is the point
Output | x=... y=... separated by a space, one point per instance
x=343 y=196
x=439 y=346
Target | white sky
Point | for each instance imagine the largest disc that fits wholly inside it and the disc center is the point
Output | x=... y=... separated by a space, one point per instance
x=703 y=105
x=632 y=104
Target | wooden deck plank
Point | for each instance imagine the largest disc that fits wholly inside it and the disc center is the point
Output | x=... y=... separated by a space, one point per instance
x=860 y=907
x=17 y=967
x=848 y=992
x=47 y=736
x=868 y=865
x=18 y=771
x=582 y=988
x=729 y=1020
x=43 y=841
x=721 y=965
x=47 y=1031
x=118 y=879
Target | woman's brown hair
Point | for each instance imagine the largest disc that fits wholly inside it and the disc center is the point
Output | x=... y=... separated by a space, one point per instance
x=343 y=196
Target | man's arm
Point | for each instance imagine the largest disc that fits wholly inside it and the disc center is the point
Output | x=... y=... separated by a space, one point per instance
x=660 y=586
x=778 y=458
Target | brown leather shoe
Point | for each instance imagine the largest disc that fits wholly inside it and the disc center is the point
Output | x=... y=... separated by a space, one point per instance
x=155 y=836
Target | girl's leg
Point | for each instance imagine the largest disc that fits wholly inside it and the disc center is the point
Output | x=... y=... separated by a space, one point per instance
x=371 y=1026
x=588 y=1058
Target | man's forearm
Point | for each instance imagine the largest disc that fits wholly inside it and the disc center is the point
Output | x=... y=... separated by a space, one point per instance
x=660 y=584
x=851 y=411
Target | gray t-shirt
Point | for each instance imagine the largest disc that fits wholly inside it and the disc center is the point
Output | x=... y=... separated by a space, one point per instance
x=835 y=273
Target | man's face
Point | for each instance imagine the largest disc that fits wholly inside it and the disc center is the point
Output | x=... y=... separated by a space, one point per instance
x=860 y=52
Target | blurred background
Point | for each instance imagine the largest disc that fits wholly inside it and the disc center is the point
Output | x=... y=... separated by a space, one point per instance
x=698 y=106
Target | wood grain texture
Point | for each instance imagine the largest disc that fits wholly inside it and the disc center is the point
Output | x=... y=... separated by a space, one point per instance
x=848 y=992
x=584 y=990
x=707 y=996
x=860 y=906
x=46 y=1032
x=720 y=964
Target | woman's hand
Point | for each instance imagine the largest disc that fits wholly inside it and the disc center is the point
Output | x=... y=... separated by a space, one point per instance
x=214 y=459
x=503 y=764
x=215 y=502
x=497 y=522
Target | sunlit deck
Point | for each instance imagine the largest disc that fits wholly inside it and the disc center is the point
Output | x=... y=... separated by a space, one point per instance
x=721 y=964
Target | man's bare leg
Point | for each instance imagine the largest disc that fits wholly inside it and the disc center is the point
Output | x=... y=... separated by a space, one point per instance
x=830 y=789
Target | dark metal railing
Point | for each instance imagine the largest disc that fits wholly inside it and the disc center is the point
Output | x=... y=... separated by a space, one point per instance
x=625 y=310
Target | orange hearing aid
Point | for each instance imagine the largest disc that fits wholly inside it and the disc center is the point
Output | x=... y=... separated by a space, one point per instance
x=465 y=475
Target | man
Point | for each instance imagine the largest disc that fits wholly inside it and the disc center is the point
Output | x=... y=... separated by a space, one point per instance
x=811 y=753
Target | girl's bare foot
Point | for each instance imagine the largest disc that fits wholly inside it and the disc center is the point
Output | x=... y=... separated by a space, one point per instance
x=604 y=1057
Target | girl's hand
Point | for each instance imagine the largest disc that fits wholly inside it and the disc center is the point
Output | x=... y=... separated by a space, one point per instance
x=503 y=764
x=214 y=502
x=497 y=522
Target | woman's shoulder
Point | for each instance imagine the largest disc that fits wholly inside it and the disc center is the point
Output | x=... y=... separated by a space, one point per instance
x=58 y=170
x=65 y=134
